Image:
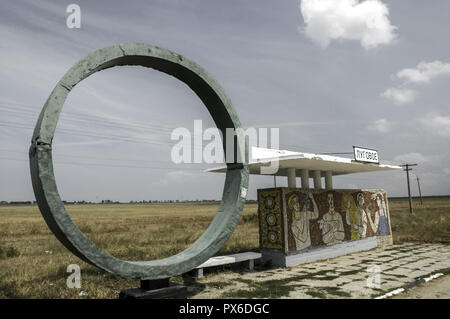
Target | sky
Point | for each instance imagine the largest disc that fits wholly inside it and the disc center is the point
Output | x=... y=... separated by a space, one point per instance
x=330 y=74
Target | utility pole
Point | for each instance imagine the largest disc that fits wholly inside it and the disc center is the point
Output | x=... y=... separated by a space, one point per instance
x=420 y=192
x=407 y=169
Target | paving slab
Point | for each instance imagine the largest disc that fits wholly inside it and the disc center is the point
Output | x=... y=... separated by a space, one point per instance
x=359 y=275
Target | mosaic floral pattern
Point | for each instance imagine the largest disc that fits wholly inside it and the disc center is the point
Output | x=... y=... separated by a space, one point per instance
x=270 y=219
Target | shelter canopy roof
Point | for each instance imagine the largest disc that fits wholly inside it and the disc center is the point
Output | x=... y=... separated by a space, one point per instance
x=312 y=162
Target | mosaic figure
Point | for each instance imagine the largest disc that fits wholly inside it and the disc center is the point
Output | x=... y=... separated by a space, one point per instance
x=301 y=216
x=351 y=215
x=374 y=210
x=381 y=213
x=362 y=216
x=331 y=224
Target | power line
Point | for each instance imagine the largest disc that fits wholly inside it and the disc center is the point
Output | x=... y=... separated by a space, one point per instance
x=81 y=133
x=162 y=130
x=334 y=153
x=122 y=138
x=67 y=115
x=88 y=120
x=107 y=165
x=30 y=111
x=97 y=158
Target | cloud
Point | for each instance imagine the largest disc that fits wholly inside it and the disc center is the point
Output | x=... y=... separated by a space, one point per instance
x=446 y=170
x=399 y=96
x=418 y=158
x=410 y=158
x=380 y=126
x=437 y=124
x=178 y=176
x=424 y=72
x=293 y=124
x=365 y=21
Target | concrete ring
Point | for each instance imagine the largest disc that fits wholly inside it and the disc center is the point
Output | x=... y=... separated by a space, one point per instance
x=220 y=108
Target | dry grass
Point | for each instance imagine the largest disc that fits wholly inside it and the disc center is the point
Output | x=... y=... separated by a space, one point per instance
x=33 y=263
x=430 y=222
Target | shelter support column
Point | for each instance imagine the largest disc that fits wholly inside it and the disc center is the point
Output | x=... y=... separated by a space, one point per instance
x=291 y=178
x=328 y=180
x=305 y=178
x=317 y=179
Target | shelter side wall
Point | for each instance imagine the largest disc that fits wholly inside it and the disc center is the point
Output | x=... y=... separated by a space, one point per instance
x=314 y=218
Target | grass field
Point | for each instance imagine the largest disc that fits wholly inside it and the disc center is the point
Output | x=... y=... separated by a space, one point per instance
x=33 y=263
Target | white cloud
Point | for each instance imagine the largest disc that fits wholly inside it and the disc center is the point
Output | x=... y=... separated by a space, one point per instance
x=424 y=72
x=437 y=124
x=380 y=126
x=410 y=158
x=365 y=21
x=399 y=96
x=447 y=170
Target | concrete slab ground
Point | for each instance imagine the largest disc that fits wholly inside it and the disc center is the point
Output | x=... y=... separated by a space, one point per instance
x=367 y=274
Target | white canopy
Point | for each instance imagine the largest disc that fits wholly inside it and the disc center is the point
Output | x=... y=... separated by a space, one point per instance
x=306 y=161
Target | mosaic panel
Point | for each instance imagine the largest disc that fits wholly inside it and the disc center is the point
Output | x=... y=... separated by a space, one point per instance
x=270 y=219
x=315 y=218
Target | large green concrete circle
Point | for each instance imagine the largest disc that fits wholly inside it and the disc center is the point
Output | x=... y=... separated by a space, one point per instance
x=220 y=108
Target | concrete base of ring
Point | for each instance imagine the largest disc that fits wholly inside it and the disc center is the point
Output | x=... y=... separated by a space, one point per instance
x=156 y=289
x=280 y=259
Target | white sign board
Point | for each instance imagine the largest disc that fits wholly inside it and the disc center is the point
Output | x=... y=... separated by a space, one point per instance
x=365 y=155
